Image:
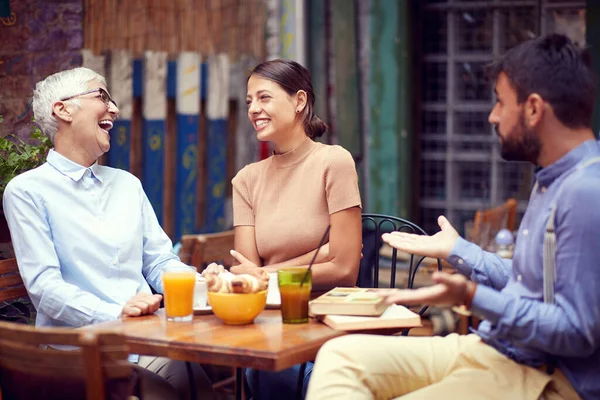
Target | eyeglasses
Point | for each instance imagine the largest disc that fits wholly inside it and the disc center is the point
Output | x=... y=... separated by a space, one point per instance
x=104 y=96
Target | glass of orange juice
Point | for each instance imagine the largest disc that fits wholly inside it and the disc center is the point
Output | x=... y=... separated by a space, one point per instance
x=294 y=298
x=178 y=289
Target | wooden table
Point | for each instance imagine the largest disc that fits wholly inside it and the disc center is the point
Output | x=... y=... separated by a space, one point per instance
x=268 y=344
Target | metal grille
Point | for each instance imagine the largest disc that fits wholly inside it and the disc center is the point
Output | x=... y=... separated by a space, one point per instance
x=434 y=83
x=461 y=167
x=433 y=179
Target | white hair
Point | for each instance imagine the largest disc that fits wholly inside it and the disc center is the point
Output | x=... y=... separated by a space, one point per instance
x=58 y=86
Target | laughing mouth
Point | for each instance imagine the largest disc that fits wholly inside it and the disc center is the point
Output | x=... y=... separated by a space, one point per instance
x=261 y=123
x=106 y=125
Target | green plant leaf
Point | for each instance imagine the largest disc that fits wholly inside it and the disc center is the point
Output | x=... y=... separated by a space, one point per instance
x=18 y=156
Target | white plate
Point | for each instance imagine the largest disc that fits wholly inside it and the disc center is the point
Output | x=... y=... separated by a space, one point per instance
x=203 y=310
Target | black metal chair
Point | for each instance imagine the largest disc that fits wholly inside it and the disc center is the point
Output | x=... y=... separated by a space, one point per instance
x=370 y=264
x=374 y=225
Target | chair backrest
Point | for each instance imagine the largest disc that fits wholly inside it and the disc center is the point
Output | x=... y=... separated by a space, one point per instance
x=200 y=249
x=374 y=225
x=188 y=242
x=30 y=369
x=11 y=284
x=214 y=247
x=488 y=222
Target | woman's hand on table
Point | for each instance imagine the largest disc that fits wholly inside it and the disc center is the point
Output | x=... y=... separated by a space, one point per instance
x=141 y=304
x=245 y=266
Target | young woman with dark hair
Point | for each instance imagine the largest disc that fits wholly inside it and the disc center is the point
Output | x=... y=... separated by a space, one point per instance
x=282 y=205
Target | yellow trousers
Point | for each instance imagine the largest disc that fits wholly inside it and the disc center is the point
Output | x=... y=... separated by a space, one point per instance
x=451 y=367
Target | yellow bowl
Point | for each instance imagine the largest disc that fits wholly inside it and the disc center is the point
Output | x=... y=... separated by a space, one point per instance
x=237 y=309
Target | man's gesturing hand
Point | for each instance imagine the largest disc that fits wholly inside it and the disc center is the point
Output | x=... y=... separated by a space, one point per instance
x=449 y=290
x=439 y=245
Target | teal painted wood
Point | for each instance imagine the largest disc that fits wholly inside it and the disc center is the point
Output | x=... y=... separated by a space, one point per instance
x=317 y=56
x=592 y=23
x=389 y=162
x=363 y=8
x=404 y=111
x=346 y=75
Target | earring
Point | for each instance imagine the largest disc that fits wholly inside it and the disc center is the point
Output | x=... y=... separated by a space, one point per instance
x=297 y=111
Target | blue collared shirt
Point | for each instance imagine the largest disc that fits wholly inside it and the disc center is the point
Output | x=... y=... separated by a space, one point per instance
x=510 y=293
x=86 y=240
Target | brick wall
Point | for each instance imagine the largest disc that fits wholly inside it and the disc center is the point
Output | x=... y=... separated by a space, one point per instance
x=39 y=38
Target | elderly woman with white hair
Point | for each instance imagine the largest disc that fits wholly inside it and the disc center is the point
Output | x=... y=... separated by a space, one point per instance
x=86 y=238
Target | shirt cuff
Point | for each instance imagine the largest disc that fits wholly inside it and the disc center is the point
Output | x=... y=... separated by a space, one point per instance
x=463 y=255
x=107 y=312
x=489 y=303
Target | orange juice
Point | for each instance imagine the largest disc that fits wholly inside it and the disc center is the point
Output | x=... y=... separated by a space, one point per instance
x=178 y=285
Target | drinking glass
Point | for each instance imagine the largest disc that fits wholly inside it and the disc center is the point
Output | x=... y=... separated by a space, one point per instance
x=294 y=298
x=178 y=287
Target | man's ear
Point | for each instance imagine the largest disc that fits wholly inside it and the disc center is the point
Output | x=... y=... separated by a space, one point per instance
x=534 y=110
x=61 y=111
x=301 y=98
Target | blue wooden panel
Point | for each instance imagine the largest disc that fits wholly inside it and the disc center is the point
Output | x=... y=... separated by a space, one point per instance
x=120 y=145
x=138 y=77
x=171 y=79
x=203 y=80
x=154 y=163
x=216 y=154
x=186 y=178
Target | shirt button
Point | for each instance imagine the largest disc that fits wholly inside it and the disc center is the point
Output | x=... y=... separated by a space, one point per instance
x=460 y=261
x=519 y=277
x=525 y=232
x=543 y=189
x=114 y=261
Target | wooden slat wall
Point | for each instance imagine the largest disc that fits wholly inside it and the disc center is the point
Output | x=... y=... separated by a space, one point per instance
x=209 y=27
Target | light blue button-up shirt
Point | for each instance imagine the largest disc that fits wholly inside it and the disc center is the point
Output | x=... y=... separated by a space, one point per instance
x=86 y=240
x=510 y=295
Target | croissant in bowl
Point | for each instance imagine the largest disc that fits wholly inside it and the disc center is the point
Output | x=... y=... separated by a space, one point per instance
x=219 y=280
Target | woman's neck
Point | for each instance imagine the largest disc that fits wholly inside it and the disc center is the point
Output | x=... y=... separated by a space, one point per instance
x=294 y=139
x=66 y=148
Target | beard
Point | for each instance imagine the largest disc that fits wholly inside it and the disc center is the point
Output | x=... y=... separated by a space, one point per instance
x=520 y=144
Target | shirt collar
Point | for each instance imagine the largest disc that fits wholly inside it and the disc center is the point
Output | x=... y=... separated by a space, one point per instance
x=71 y=169
x=545 y=176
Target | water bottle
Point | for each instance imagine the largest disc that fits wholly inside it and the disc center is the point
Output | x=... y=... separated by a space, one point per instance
x=504 y=243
